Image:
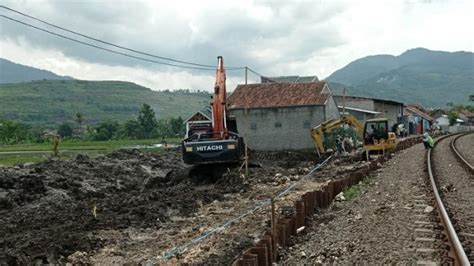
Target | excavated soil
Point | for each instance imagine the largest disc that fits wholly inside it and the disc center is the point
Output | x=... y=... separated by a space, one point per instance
x=127 y=206
x=47 y=209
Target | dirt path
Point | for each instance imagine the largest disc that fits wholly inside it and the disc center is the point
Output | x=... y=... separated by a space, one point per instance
x=378 y=227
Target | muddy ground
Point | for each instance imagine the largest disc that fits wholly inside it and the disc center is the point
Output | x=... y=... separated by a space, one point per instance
x=121 y=206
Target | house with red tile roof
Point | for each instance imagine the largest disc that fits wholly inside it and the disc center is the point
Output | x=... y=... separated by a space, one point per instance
x=467 y=116
x=280 y=115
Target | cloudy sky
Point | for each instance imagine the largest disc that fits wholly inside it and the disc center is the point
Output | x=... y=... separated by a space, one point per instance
x=272 y=37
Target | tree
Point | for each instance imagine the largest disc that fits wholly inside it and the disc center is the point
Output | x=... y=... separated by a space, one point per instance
x=147 y=121
x=79 y=118
x=177 y=126
x=132 y=129
x=452 y=116
x=163 y=128
x=65 y=130
x=106 y=130
x=12 y=132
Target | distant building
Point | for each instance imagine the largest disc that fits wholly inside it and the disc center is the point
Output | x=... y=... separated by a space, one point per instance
x=438 y=113
x=279 y=116
x=467 y=117
x=443 y=120
x=201 y=120
x=365 y=108
x=290 y=79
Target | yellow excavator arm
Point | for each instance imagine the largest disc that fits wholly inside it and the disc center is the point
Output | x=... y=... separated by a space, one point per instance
x=317 y=133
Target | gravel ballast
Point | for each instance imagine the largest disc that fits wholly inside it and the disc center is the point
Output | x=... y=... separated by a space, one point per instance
x=377 y=227
x=465 y=146
x=457 y=187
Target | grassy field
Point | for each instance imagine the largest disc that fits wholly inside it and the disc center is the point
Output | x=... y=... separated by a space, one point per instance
x=34 y=152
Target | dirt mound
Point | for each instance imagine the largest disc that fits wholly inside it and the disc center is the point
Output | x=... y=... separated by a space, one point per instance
x=50 y=210
x=64 y=211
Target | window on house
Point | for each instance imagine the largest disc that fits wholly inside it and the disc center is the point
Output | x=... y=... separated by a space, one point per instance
x=277 y=124
x=253 y=126
x=306 y=124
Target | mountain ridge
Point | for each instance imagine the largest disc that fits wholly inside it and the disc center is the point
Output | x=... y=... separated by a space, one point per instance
x=419 y=75
x=11 y=72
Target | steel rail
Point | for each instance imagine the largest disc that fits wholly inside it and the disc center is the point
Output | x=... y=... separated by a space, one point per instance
x=460 y=255
x=459 y=155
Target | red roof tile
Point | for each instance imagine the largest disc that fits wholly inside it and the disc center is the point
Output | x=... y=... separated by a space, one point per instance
x=467 y=113
x=266 y=95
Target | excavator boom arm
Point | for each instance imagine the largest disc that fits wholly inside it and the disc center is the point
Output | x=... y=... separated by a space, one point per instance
x=317 y=133
x=219 y=127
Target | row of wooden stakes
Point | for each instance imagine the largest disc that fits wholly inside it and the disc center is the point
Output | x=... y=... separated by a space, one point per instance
x=265 y=252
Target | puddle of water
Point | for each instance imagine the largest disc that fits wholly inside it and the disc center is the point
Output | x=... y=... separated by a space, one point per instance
x=148 y=146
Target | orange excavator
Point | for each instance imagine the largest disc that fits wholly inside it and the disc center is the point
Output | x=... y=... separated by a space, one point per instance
x=218 y=142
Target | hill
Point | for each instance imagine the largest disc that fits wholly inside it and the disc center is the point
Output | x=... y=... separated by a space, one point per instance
x=432 y=78
x=56 y=101
x=12 y=73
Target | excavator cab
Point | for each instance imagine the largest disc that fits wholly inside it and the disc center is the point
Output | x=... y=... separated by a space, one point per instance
x=374 y=133
x=377 y=136
x=218 y=142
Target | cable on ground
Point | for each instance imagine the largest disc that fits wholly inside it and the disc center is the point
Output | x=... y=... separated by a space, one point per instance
x=176 y=250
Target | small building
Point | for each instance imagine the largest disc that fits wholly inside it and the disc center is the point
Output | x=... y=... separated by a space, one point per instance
x=437 y=113
x=279 y=116
x=443 y=120
x=370 y=108
x=417 y=119
x=467 y=117
x=200 y=120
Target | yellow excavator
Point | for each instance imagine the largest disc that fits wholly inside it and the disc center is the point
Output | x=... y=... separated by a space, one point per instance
x=374 y=133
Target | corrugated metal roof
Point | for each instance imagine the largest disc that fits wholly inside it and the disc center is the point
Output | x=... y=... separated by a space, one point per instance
x=359 y=110
x=291 y=79
x=339 y=97
x=274 y=94
x=307 y=79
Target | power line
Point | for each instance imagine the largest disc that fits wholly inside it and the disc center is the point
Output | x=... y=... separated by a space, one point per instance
x=258 y=74
x=114 y=45
x=103 y=48
x=195 y=65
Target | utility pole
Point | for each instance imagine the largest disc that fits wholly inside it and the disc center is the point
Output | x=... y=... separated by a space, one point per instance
x=344 y=102
x=245 y=142
x=246 y=69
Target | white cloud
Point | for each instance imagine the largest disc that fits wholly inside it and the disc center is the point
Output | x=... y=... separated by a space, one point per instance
x=274 y=37
x=56 y=62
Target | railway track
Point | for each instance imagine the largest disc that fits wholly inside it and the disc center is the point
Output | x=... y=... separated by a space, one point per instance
x=452 y=180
